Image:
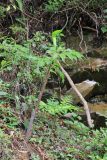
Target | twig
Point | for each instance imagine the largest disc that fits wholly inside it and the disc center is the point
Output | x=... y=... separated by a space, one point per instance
x=31 y=17
x=90 y=122
x=65 y=22
x=95 y=20
x=82 y=39
x=27 y=28
x=81 y=36
x=89 y=28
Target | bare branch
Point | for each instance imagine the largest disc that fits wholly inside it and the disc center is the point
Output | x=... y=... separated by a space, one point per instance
x=90 y=122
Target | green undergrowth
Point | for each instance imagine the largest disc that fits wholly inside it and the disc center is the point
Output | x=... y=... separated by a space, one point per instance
x=5 y=146
x=58 y=138
x=54 y=107
x=69 y=139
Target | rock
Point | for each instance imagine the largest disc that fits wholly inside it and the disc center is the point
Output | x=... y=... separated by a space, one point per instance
x=88 y=45
x=84 y=87
x=94 y=54
x=74 y=42
x=101 y=52
x=94 y=64
x=67 y=116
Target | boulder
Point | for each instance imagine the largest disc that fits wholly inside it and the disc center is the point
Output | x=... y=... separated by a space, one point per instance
x=84 y=88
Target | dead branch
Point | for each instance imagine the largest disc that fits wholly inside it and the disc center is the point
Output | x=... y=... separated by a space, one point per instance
x=89 y=120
